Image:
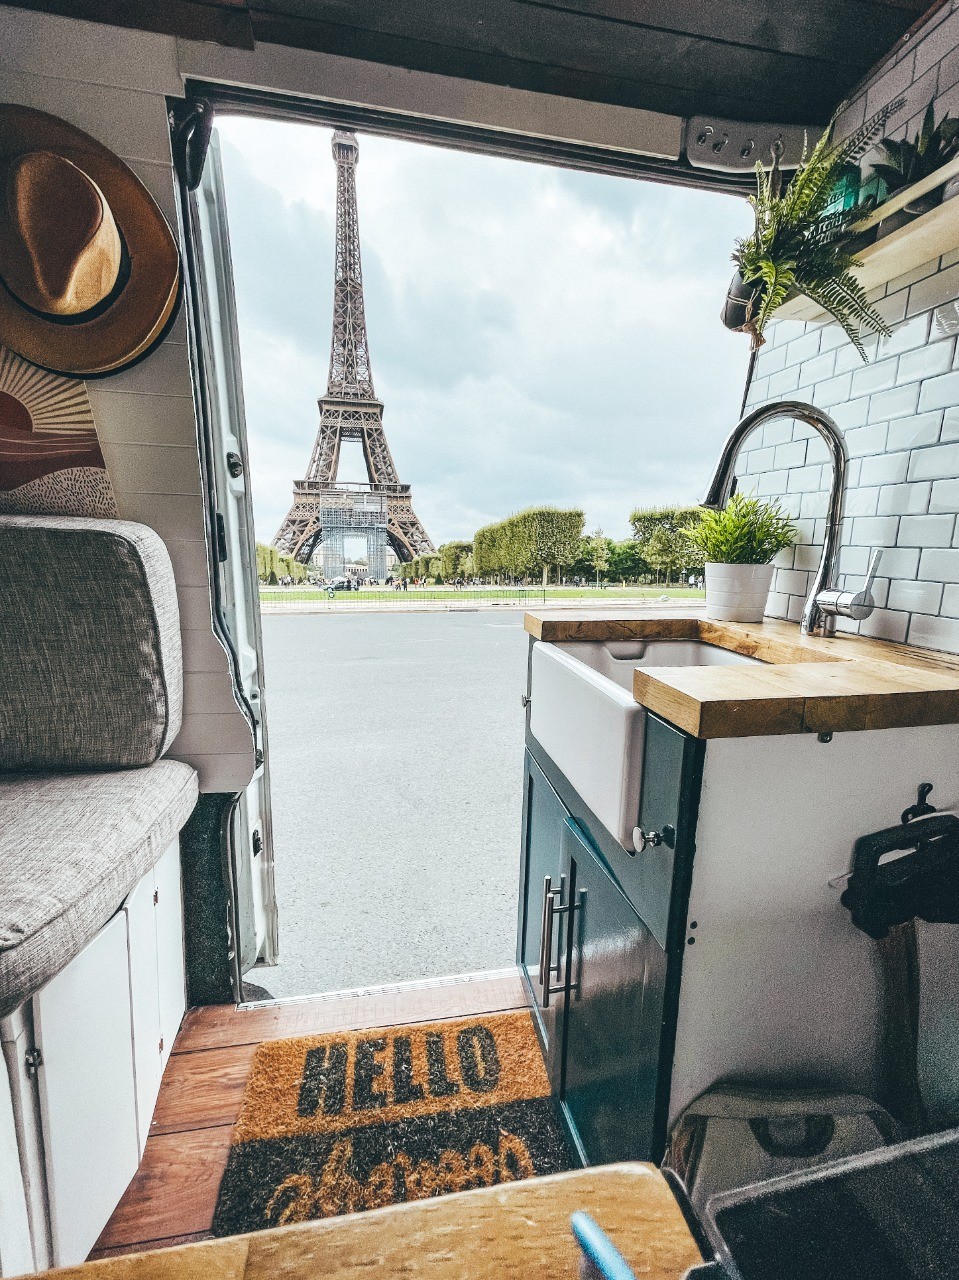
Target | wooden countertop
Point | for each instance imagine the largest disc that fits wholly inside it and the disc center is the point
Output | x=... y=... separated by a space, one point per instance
x=521 y=1229
x=810 y=685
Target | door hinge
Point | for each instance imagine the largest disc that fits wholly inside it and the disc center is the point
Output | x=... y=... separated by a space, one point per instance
x=257 y=844
x=156 y=896
x=33 y=1060
x=161 y=1045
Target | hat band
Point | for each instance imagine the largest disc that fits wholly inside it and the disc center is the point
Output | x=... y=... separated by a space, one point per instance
x=84 y=317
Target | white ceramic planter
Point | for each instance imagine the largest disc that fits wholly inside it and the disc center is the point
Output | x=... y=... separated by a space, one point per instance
x=737 y=592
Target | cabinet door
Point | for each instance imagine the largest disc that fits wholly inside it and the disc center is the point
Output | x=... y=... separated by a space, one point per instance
x=169 y=943
x=144 y=1000
x=543 y=869
x=613 y=1020
x=667 y=778
x=87 y=1095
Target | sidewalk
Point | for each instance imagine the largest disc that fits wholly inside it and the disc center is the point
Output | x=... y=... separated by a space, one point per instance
x=466 y=605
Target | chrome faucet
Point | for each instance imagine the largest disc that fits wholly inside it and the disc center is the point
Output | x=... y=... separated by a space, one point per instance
x=825 y=601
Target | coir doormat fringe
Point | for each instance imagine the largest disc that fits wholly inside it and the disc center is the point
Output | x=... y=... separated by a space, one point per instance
x=337 y=1123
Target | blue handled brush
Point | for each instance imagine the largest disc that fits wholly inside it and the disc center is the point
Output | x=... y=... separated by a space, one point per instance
x=601 y=1259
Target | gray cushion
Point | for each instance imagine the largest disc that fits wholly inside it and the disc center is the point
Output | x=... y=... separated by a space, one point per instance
x=91 y=673
x=72 y=846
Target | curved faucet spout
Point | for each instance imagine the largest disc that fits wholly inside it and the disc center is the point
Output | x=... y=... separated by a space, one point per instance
x=815 y=618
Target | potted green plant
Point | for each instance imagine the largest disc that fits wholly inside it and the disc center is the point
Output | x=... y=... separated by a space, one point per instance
x=907 y=163
x=797 y=247
x=738 y=545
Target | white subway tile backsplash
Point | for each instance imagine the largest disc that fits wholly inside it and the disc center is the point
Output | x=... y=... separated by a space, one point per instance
x=939 y=461
x=915 y=431
x=777 y=432
x=792 y=454
x=899 y=412
x=874 y=377
x=926 y=531
x=950 y=600
x=904 y=499
x=804 y=348
x=884 y=468
x=833 y=391
x=934 y=291
x=784 y=381
x=875 y=531
x=950 y=425
x=865 y=440
x=884 y=624
x=940 y=393
x=803 y=479
x=940 y=564
x=906 y=336
x=945 y=496
x=894 y=403
x=816 y=370
x=934 y=633
x=915 y=597
x=926 y=362
x=861 y=502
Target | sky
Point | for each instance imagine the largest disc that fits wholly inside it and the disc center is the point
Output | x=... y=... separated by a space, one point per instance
x=538 y=335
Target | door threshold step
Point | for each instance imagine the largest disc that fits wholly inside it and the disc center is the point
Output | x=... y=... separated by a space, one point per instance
x=389 y=988
x=427 y=1000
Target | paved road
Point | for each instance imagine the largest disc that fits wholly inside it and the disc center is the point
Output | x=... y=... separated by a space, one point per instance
x=396 y=745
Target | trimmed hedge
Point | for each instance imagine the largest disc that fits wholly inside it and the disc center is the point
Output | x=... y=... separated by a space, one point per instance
x=271 y=566
x=532 y=541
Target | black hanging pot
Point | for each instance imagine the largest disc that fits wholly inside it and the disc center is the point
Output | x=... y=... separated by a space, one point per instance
x=742 y=303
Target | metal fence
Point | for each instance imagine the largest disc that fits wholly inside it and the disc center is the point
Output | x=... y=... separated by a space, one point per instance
x=320 y=598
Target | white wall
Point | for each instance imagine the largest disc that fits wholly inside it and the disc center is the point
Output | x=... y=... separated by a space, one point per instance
x=899 y=413
x=112 y=83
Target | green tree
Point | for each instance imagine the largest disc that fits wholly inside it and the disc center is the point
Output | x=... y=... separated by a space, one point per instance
x=626 y=563
x=452 y=555
x=599 y=546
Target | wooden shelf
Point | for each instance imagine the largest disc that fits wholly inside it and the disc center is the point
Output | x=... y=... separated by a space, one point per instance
x=919 y=241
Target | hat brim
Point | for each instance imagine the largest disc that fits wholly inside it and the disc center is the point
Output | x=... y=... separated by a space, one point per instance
x=137 y=319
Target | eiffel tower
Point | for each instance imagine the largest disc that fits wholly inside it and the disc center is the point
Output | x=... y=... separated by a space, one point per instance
x=324 y=511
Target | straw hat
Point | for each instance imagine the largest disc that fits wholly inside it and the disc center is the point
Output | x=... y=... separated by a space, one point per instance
x=89 y=269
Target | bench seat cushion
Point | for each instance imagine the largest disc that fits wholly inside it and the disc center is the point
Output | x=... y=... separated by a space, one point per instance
x=72 y=846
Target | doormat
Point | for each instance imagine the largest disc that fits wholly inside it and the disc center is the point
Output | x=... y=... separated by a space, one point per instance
x=339 y=1123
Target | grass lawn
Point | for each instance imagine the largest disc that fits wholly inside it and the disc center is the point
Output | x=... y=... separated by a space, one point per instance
x=378 y=595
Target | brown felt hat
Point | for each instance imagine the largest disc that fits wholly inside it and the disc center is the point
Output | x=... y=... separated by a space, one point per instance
x=89 y=269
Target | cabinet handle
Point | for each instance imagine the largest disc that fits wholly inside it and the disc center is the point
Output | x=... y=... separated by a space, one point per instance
x=547 y=969
x=546 y=928
x=643 y=840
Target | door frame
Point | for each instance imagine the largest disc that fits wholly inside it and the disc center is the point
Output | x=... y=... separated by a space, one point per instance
x=192 y=119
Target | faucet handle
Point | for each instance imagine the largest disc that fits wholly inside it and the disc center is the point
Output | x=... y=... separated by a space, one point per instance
x=853 y=604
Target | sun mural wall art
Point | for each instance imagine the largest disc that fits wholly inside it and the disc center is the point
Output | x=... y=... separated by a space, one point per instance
x=50 y=458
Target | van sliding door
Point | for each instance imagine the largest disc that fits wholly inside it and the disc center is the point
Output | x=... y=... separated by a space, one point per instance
x=235 y=589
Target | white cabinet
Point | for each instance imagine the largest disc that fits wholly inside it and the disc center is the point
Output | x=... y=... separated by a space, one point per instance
x=87 y=1092
x=154 y=912
x=104 y=1028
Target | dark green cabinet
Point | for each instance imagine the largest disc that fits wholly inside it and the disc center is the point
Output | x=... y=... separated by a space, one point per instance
x=600 y=943
x=544 y=875
x=614 y=1014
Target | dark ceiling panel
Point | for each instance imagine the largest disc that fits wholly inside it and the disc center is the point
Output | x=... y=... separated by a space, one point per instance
x=790 y=61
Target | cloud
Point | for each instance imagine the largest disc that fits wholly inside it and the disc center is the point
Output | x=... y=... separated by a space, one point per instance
x=537 y=334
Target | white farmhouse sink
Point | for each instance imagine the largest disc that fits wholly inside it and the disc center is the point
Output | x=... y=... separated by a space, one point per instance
x=584 y=716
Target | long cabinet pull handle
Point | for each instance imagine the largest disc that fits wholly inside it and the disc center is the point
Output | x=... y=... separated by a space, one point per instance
x=547 y=972
x=547 y=892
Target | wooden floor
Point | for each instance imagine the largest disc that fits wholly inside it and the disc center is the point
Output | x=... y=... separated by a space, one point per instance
x=172 y=1197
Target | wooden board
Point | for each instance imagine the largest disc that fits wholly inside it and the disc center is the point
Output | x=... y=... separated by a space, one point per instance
x=808 y=684
x=521 y=1229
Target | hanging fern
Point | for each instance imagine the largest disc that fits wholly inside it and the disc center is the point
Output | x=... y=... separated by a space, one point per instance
x=797 y=248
